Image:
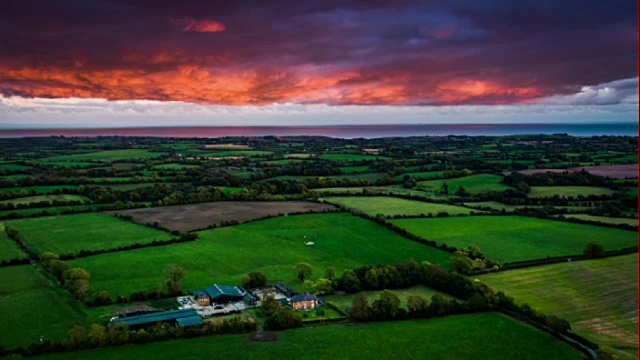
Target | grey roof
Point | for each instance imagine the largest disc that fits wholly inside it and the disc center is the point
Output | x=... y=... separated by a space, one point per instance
x=157 y=317
x=303 y=297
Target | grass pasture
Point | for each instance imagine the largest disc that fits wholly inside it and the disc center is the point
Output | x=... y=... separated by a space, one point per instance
x=567 y=191
x=50 y=210
x=598 y=297
x=92 y=231
x=108 y=155
x=48 y=198
x=451 y=337
x=175 y=166
x=42 y=190
x=72 y=164
x=494 y=205
x=475 y=184
x=355 y=169
x=13 y=167
x=516 y=238
x=389 y=206
x=604 y=219
x=8 y=248
x=351 y=157
x=425 y=175
x=199 y=216
x=247 y=153
x=32 y=306
x=226 y=146
x=272 y=246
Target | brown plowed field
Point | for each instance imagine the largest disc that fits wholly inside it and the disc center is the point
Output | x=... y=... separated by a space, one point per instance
x=612 y=171
x=199 y=216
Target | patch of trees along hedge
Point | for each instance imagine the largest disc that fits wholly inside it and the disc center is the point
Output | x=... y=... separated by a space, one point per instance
x=475 y=296
x=100 y=336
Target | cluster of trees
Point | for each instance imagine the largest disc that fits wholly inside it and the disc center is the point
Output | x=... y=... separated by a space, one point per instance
x=254 y=279
x=469 y=260
x=565 y=178
x=100 y=336
x=475 y=296
x=277 y=318
x=389 y=307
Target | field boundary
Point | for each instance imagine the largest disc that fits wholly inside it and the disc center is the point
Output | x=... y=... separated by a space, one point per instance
x=556 y=260
x=574 y=340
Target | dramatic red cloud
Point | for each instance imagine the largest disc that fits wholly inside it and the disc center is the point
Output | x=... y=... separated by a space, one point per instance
x=267 y=86
x=320 y=52
x=189 y=24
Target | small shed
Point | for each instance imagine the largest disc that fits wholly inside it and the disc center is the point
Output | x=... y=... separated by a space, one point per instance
x=284 y=289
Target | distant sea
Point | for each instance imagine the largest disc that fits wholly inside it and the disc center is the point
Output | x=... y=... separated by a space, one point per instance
x=341 y=131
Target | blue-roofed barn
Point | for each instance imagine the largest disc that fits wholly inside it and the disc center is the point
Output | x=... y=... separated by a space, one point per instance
x=177 y=317
x=219 y=294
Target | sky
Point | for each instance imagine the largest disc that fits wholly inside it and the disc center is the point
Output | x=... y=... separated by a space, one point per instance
x=100 y=63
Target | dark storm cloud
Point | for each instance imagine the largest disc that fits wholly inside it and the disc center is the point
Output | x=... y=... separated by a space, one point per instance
x=333 y=52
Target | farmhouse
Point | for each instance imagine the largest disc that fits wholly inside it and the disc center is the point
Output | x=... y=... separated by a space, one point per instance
x=306 y=301
x=219 y=294
x=182 y=318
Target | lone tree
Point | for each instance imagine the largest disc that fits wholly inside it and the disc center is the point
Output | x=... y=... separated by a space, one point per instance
x=303 y=270
x=330 y=273
x=175 y=274
x=462 y=191
x=445 y=188
x=594 y=250
x=254 y=279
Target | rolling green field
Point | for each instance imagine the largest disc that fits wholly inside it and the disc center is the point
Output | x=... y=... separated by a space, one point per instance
x=13 y=167
x=51 y=210
x=389 y=206
x=174 y=166
x=475 y=184
x=93 y=231
x=8 y=248
x=283 y=162
x=372 y=177
x=598 y=297
x=627 y=159
x=421 y=175
x=353 y=169
x=604 y=219
x=344 y=301
x=31 y=307
x=566 y=191
x=73 y=164
x=452 y=337
x=109 y=155
x=41 y=198
x=45 y=189
x=515 y=238
x=271 y=246
x=351 y=157
x=494 y=205
x=248 y=153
